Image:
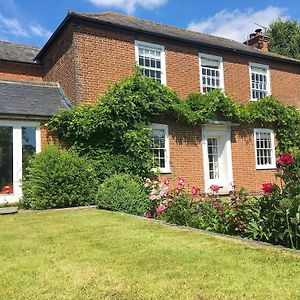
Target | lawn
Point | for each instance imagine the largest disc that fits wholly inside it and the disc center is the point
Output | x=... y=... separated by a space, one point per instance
x=92 y=254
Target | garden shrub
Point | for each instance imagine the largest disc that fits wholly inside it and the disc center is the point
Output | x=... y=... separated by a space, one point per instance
x=278 y=213
x=57 y=178
x=125 y=193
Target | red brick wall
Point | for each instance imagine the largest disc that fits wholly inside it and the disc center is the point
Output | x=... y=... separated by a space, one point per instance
x=20 y=71
x=59 y=64
x=245 y=173
x=106 y=56
x=88 y=61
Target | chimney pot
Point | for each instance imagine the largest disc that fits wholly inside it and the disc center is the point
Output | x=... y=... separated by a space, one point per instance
x=258 y=40
x=258 y=31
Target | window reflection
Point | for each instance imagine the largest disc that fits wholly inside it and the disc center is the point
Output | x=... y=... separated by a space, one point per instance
x=28 y=145
x=6 y=160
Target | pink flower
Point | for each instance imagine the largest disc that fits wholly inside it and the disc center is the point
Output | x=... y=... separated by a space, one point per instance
x=206 y=196
x=166 y=182
x=268 y=187
x=181 y=182
x=153 y=197
x=195 y=190
x=176 y=191
x=162 y=193
x=160 y=209
x=149 y=215
x=214 y=187
x=153 y=192
x=285 y=160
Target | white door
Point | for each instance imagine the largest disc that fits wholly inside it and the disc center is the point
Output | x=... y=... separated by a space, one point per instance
x=18 y=140
x=217 y=158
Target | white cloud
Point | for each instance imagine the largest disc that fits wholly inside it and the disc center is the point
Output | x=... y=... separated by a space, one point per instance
x=39 y=31
x=12 y=27
x=129 y=6
x=237 y=24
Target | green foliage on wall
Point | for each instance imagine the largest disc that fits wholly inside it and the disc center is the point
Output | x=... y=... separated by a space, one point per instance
x=116 y=130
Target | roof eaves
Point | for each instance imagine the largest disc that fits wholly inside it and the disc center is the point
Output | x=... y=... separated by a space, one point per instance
x=35 y=63
x=54 y=35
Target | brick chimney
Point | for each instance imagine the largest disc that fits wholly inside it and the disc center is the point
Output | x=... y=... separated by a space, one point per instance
x=258 y=40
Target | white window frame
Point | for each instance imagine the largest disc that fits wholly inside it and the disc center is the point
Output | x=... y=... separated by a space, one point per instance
x=273 y=154
x=268 y=74
x=161 y=48
x=167 y=168
x=221 y=69
x=17 y=155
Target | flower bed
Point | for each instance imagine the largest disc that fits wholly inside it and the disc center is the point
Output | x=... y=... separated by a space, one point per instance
x=273 y=217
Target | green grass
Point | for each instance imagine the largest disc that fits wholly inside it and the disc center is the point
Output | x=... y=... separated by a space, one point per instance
x=92 y=254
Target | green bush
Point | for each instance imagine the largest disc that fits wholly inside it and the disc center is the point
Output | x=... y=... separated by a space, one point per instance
x=57 y=178
x=123 y=192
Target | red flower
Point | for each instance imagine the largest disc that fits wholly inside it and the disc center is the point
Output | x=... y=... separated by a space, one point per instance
x=160 y=209
x=268 y=187
x=166 y=182
x=7 y=189
x=181 y=182
x=149 y=215
x=285 y=160
x=214 y=188
x=195 y=190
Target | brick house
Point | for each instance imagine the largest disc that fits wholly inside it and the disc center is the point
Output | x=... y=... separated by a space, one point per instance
x=89 y=52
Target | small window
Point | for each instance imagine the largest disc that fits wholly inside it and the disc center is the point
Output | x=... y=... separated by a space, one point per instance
x=264 y=148
x=211 y=73
x=151 y=58
x=260 y=81
x=160 y=147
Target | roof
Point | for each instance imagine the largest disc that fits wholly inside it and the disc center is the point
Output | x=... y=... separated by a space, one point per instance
x=124 y=22
x=43 y=99
x=18 y=52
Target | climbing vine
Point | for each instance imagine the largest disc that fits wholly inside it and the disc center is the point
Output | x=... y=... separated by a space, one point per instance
x=115 y=131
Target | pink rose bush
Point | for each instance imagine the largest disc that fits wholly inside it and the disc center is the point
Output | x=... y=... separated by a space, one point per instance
x=161 y=195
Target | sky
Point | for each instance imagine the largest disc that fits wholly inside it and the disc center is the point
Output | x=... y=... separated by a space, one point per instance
x=33 y=21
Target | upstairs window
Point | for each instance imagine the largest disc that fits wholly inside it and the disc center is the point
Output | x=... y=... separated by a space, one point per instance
x=260 y=81
x=151 y=58
x=264 y=148
x=160 y=147
x=211 y=73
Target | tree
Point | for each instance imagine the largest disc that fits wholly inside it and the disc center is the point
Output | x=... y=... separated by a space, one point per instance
x=285 y=38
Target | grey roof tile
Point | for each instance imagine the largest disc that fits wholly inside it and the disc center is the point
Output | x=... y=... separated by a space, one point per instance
x=18 y=52
x=31 y=98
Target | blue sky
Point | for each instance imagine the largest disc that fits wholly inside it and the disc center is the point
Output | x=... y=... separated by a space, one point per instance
x=33 y=21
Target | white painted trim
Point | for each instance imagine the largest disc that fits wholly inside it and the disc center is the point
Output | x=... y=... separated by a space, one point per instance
x=268 y=73
x=221 y=69
x=273 y=157
x=224 y=131
x=163 y=57
x=17 y=155
x=164 y=127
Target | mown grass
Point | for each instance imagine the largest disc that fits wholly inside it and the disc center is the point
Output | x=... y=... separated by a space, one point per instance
x=92 y=254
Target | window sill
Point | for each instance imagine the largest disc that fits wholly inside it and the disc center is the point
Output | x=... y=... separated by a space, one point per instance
x=266 y=168
x=165 y=171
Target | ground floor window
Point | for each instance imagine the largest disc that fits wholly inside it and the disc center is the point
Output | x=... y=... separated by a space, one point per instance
x=160 y=147
x=18 y=140
x=264 y=148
